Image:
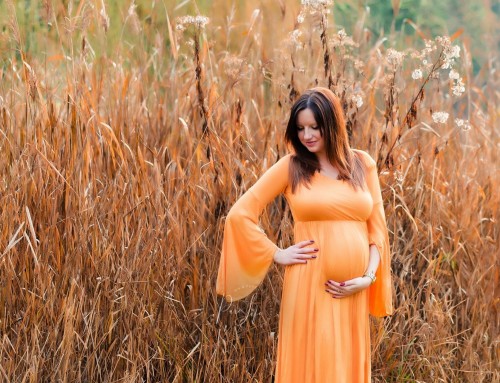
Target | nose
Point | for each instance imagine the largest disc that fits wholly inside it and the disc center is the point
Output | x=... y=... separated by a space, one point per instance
x=307 y=133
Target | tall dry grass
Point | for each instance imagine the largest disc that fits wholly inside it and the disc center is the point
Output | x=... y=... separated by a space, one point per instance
x=117 y=170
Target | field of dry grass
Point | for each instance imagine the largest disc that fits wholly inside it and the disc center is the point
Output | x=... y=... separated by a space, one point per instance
x=119 y=162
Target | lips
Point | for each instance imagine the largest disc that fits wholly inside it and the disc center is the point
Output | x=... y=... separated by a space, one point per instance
x=310 y=143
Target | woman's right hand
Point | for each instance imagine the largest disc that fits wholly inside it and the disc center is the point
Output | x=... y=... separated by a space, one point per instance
x=294 y=254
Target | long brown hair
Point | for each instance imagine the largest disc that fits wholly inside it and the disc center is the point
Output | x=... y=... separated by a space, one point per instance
x=329 y=116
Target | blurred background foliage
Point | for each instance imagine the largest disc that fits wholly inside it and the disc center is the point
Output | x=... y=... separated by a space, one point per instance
x=474 y=22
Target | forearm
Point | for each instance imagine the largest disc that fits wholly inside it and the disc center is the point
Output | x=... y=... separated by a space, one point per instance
x=373 y=261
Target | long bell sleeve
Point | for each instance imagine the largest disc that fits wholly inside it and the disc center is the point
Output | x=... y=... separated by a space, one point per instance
x=247 y=252
x=380 y=293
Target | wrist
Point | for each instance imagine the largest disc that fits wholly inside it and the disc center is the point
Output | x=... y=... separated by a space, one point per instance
x=371 y=276
x=276 y=254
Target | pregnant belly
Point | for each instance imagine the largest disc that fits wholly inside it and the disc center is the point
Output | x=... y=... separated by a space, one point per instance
x=343 y=247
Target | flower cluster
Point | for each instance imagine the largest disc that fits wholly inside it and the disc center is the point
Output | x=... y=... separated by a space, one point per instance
x=342 y=39
x=314 y=7
x=417 y=74
x=440 y=117
x=394 y=58
x=359 y=65
x=462 y=124
x=317 y=4
x=447 y=59
x=357 y=100
x=450 y=52
x=454 y=75
x=198 y=21
x=458 y=87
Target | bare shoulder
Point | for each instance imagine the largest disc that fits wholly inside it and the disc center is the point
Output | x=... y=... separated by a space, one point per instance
x=365 y=157
x=286 y=157
x=285 y=160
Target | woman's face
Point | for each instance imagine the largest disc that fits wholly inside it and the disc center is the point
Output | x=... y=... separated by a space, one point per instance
x=309 y=132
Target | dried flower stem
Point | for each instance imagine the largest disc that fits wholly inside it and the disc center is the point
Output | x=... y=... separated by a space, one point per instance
x=410 y=115
x=327 y=61
x=199 y=87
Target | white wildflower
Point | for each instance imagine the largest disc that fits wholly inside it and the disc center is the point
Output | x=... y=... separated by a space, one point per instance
x=429 y=45
x=454 y=75
x=459 y=88
x=416 y=74
x=424 y=62
x=444 y=41
x=342 y=39
x=440 y=117
x=359 y=65
x=198 y=21
x=394 y=57
x=357 y=100
x=450 y=52
x=300 y=18
x=454 y=51
x=462 y=124
x=314 y=6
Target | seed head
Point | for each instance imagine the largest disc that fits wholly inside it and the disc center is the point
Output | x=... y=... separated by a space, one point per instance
x=416 y=74
x=440 y=117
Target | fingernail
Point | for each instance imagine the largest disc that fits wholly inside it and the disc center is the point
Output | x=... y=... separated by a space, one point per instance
x=314 y=256
x=316 y=249
x=342 y=284
x=312 y=240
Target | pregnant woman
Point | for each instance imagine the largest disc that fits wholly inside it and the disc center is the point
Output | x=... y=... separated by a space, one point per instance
x=338 y=270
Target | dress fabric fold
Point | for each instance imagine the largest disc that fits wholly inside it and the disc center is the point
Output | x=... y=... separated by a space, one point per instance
x=320 y=339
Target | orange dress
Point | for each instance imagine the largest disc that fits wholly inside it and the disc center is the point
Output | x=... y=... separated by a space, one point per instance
x=320 y=338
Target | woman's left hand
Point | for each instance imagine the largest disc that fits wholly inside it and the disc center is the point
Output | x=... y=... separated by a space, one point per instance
x=346 y=288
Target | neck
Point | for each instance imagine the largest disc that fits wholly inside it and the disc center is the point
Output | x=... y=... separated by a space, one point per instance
x=322 y=159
